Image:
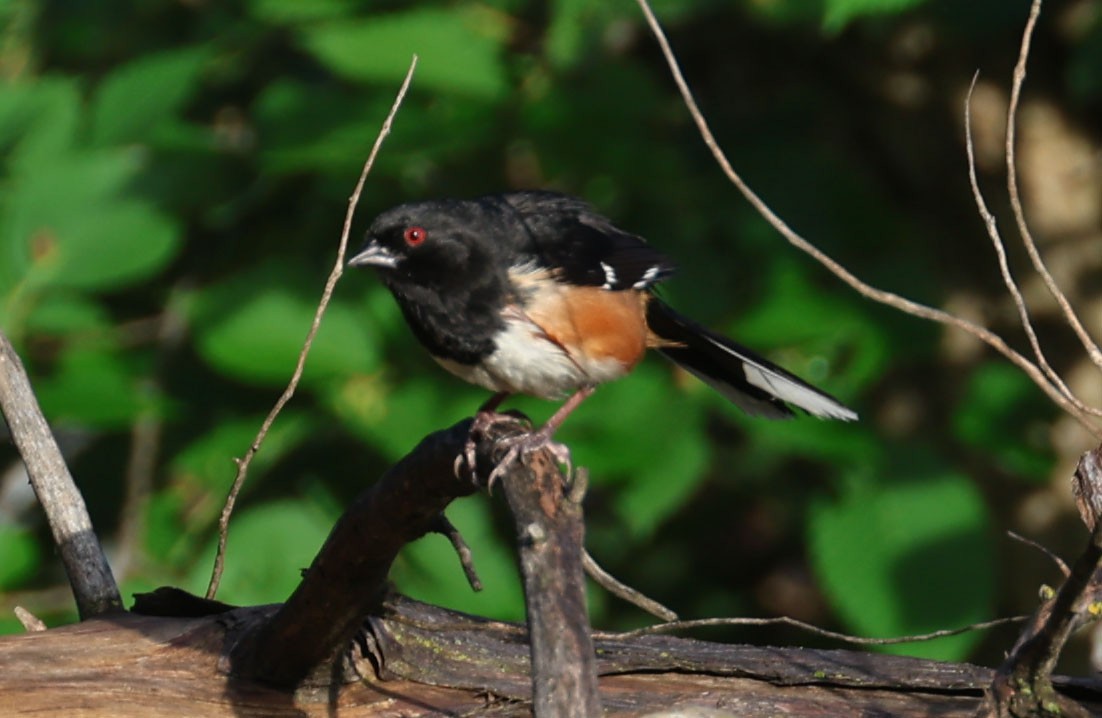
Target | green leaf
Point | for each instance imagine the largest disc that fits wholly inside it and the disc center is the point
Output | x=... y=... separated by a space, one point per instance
x=257 y=336
x=459 y=49
x=393 y=417
x=268 y=547
x=61 y=313
x=123 y=243
x=19 y=555
x=40 y=119
x=1004 y=415
x=165 y=528
x=207 y=462
x=571 y=22
x=1086 y=57
x=65 y=223
x=655 y=464
x=315 y=128
x=907 y=557
x=142 y=93
x=94 y=387
x=807 y=437
x=294 y=11
x=839 y=13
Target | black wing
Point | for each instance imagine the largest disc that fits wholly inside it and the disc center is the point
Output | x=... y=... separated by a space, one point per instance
x=584 y=247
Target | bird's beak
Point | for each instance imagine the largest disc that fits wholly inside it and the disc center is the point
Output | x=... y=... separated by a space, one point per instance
x=375 y=255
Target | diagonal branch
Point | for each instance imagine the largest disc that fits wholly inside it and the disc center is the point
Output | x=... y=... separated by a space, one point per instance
x=93 y=584
x=308 y=636
x=878 y=295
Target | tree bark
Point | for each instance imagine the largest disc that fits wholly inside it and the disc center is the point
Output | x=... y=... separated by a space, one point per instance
x=550 y=533
x=423 y=661
x=90 y=577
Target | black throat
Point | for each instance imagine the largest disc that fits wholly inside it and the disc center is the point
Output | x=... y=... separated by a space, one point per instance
x=459 y=324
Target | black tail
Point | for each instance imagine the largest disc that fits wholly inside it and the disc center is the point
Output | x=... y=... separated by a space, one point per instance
x=756 y=385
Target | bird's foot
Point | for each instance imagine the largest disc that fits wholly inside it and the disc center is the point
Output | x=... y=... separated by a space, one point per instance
x=485 y=426
x=519 y=447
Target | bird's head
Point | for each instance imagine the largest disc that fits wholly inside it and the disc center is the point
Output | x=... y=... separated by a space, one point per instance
x=426 y=243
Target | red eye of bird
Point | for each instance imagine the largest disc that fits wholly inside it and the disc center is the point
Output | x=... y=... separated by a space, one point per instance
x=415 y=236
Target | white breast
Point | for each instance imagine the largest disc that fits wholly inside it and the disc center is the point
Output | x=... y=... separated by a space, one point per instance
x=526 y=361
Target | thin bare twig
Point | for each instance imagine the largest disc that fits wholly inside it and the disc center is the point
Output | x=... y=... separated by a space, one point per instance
x=1004 y=264
x=447 y=529
x=168 y=331
x=845 y=638
x=1060 y=563
x=884 y=297
x=1070 y=315
x=145 y=443
x=331 y=282
x=621 y=590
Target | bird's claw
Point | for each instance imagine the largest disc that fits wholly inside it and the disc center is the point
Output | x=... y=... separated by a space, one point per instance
x=518 y=447
x=468 y=459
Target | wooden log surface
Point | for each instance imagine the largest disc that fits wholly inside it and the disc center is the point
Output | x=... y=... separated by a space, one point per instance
x=420 y=660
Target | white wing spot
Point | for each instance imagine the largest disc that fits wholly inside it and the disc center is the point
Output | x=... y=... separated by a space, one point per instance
x=610 y=276
x=647 y=278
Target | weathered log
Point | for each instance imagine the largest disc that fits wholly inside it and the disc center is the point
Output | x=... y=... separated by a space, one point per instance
x=424 y=660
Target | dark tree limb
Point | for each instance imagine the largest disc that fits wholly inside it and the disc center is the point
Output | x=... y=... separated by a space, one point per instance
x=550 y=531
x=306 y=641
x=346 y=581
x=89 y=574
x=1022 y=685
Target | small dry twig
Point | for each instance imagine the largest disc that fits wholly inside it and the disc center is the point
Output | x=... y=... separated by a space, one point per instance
x=1060 y=563
x=843 y=637
x=622 y=591
x=447 y=529
x=331 y=282
x=168 y=331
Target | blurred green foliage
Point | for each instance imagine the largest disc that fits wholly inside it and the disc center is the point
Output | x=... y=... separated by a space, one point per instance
x=174 y=182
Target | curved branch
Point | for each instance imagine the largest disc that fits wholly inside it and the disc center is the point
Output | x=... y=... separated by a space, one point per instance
x=1070 y=315
x=306 y=639
x=878 y=295
x=1004 y=265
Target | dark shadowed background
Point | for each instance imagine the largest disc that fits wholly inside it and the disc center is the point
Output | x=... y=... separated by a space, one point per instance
x=174 y=179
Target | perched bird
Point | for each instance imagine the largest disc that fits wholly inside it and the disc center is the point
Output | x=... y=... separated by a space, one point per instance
x=536 y=293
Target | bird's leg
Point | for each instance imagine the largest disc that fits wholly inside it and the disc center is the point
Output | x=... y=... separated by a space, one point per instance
x=490 y=405
x=482 y=420
x=525 y=444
